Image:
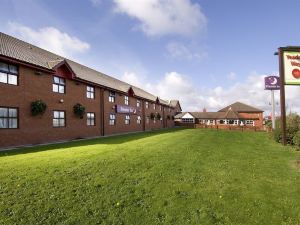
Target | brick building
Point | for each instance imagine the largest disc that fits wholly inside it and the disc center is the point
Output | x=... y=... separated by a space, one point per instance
x=29 y=73
x=236 y=114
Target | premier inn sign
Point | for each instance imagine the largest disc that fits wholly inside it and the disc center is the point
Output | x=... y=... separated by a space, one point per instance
x=291 y=63
x=125 y=109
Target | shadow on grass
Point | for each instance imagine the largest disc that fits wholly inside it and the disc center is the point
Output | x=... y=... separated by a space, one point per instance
x=108 y=140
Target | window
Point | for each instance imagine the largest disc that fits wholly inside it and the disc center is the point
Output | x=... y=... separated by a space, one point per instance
x=127 y=119
x=126 y=98
x=90 y=119
x=160 y=108
x=187 y=120
x=8 y=74
x=147 y=105
x=112 y=96
x=59 y=85
x=154 y=120
x=59 y=119
x=90 y=92
x=236 y=122
x=139 y=120
x=147 y=119
x=138 y=103
x=249 y=122
x=154 y=106
x=169 y=109
x=112 y=119
x=8 y=118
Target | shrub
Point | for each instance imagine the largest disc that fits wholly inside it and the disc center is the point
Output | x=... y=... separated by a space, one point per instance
x=152 y=116
x=168 y=117
x=296 y=139
x=79 y=110
x=292 y=128
x=38 y=107
x=158 y=116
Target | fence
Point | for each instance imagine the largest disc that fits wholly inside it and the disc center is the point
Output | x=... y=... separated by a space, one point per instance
x=229 y=127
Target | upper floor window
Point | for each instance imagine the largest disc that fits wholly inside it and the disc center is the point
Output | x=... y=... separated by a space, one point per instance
x=169 y=109
x=112 y=119
x=147 y=105
x=90 y=119
x=160 y=108
x=59 y=85
x=8 y=118
x=138 y=103
x=139 y=119
x=90 y=92
x=112 y=96
x=126 y=100
x=8 y=74
x=154 y=106
x=59 y=119
x=127 y=119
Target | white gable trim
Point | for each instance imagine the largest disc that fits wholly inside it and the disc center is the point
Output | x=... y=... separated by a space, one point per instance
x=187 y=116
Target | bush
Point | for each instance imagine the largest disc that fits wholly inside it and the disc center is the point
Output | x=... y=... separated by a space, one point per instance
x=296 y=139
x=38 y=107
x=152 y=116
x=292 y=128
x=158 y=116
x=79 y=110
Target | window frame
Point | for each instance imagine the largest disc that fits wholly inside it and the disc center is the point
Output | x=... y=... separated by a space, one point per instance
x=8 y=117
x=90 y=92
x=126 y=100
x=59 y=118
x=112 y=118
x=90 y=119
x=154 y=106
x=59 y=84
x=9 y=73
x=127 y=119
x=147 y=105
x=139 y=119
x=112 y=96
x=138 y=103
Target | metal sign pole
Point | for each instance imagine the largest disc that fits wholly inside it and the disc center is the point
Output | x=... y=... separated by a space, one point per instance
x=282 y=97
x=273 y=109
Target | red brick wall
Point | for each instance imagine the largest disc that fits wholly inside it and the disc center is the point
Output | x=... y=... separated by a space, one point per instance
x=39 y=129
x=256 y=115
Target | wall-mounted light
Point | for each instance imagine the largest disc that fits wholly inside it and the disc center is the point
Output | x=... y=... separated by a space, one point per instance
x=61 y=101
x=39 y=73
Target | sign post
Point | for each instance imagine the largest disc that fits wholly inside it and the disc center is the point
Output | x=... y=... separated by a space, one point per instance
x=289 y=70
x=272 y=83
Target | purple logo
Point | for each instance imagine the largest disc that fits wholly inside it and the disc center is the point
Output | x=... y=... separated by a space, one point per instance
x=125 y=109
x=272 y=83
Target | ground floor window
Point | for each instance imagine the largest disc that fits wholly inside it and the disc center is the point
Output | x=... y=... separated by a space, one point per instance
x=249 y=122
x=90 y=119
x=187 y=120
x=127 y=119
x=112 y=119
x=8 y=118
x=59 y=118
x=139 y=120
x=147 y=119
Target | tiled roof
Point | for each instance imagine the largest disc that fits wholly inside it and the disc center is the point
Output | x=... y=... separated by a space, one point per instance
x=16 y=49
x=241 y=107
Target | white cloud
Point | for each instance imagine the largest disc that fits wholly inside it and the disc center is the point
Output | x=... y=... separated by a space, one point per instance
x=131 y=78
x=231 y=76
x=180 y=51
x=192 y=98
x=50 y=39
x=96 y=2
x=163 y=17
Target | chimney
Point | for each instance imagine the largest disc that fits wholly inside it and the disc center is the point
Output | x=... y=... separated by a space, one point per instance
x=204 y=109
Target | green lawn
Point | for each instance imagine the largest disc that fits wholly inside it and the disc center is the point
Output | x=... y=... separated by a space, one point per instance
x=181 y=176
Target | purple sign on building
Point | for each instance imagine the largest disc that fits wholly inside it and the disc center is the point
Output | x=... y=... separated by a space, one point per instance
x=125 y=109
x=272 y=83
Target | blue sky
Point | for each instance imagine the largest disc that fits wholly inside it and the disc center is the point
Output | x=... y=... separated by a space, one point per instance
x=207 y=53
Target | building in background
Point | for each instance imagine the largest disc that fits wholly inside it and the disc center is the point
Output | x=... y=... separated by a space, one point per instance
x=29 y=74
x=236 y=114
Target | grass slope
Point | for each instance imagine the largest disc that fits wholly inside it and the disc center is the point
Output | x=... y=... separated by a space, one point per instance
x=182 y=176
